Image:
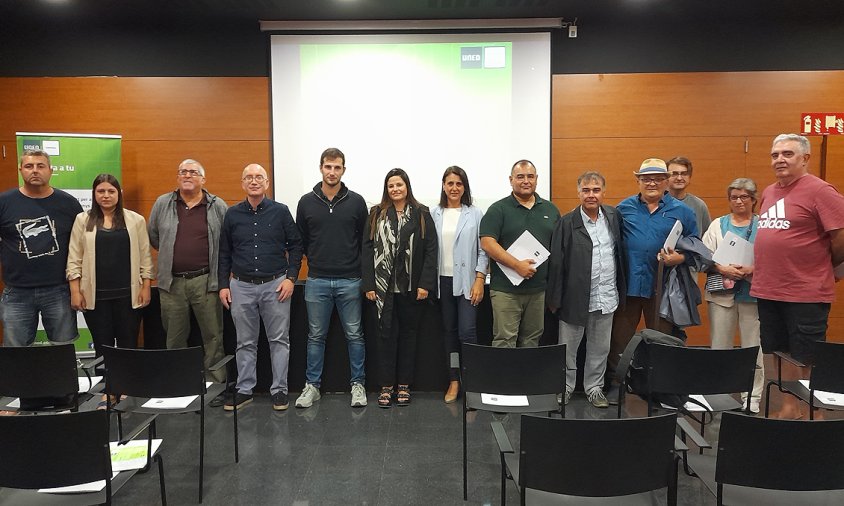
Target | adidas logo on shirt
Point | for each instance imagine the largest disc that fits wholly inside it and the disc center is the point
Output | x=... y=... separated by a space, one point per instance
x=774 y=217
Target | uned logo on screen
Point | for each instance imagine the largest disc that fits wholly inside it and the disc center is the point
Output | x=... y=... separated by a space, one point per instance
x=471 y=57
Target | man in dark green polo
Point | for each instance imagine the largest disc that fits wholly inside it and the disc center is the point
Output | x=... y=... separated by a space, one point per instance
x=518 y=309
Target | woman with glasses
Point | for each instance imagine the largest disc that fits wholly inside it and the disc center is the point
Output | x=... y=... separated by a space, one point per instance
x=728 y=286
x=399 y=265
x=462 y=265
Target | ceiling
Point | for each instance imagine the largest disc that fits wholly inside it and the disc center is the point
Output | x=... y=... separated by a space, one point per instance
x=223 y=11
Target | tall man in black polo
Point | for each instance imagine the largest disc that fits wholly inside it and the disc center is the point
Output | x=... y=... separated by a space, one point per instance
x=260 y=256
x=331 y=219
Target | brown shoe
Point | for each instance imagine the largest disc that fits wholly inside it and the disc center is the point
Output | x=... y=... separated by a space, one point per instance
x=453 y=390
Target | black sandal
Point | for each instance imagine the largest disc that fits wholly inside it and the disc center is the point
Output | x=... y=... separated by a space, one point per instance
x=385 y=398
x=403 y=395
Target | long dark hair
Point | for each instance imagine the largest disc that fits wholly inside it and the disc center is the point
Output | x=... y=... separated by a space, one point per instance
x=95 y=215
x=466 y=198
x=386 y=202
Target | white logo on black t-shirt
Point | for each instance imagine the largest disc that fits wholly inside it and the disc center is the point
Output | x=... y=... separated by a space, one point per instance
x=38 y=237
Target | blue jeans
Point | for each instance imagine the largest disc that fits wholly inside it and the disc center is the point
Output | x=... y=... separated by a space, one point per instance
x=20 y=308
x=459 y=317
x=321 y=295
x=250 y=305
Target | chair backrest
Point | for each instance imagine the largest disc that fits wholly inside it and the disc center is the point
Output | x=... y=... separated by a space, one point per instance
x=38 y=371
x=54 y=450
x=597 y=458
x=704 y=371
x=514 y=371
x=828 y=367
x=780 y=454
x=154 y=373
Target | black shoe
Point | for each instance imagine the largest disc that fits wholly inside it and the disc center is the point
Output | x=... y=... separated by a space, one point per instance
x=238 y=400
x=280 y=401
x=218 y=401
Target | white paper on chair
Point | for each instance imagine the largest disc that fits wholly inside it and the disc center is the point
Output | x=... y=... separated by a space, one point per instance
x=525 y=247
x=505 y=400
x=85 y=385
x=693 y=406
x=82 y=488
x=831 y=398
x=132 y=455
x=172 y=402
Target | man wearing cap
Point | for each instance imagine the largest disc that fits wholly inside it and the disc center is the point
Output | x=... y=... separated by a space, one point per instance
x=648 y=217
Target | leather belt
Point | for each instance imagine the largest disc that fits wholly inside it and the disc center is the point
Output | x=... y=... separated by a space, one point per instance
x=257 y=280
x=192 y=274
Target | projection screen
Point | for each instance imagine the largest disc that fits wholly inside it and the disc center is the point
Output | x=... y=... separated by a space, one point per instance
x=421 y=102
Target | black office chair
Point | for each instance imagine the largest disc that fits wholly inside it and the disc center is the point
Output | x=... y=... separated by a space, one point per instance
x=827 y=376
x=590 y=458
x=59 y=450
x=44 y=377
x=539 y=374
x=143 y=374
x=768 y=461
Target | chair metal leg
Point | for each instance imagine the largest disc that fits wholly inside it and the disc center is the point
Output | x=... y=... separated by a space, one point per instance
x=672 y=484
x=201 y=447
x=503 y=481
x=236 y=448
x=465 y=484
x=161 y=480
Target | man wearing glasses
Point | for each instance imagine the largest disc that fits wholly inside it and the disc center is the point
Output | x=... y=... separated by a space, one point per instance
x=184 y=226
x=260 y=256
x=679 y=179
x=648 y=217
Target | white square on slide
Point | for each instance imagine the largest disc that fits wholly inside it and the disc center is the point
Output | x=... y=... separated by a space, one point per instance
x=494 y=57
x=50 y=147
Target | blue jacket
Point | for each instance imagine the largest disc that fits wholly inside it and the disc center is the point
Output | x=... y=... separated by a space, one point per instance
x=469 y=257
x=644 y=233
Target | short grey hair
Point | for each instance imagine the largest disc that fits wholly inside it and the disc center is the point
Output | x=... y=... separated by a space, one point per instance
x=803 y=142
x=744 y=184
x=591 y=175
x=191 y=161
x=35 y=152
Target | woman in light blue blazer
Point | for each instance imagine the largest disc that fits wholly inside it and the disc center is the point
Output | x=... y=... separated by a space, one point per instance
x=462 y=265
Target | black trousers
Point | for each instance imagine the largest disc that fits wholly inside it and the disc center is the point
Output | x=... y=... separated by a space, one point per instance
x=397 y=352
x=113 y=323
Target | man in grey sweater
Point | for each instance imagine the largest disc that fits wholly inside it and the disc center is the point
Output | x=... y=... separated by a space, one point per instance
x=184 y=226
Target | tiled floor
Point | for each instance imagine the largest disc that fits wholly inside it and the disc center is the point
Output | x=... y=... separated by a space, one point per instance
x=333 y=454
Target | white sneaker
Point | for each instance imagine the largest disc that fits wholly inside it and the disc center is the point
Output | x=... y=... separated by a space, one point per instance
x=358 y=395
x=754 y=405
x=308 y=396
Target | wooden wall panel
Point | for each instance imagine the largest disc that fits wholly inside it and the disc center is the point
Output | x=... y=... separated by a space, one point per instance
x=694 y=104
x=139 y=108
x=724 y=122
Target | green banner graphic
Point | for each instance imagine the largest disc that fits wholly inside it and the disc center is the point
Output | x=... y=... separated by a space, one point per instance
x=76 y=159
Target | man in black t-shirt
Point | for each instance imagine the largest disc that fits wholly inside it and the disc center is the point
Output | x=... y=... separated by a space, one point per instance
x=35 y=224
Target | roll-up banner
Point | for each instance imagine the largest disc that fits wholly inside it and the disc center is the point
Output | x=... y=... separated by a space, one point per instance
x=76 y=159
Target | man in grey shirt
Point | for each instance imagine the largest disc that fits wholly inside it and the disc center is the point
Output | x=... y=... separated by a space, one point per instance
x=679 y=179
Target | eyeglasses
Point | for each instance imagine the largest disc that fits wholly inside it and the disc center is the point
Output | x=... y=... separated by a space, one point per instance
x=744 y=197
x=651 y=180
x=190 y=173
x=257 y=178
x=677 y=173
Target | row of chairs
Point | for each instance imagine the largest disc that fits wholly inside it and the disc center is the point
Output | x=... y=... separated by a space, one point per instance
x=45 y=379
x=627 y=456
